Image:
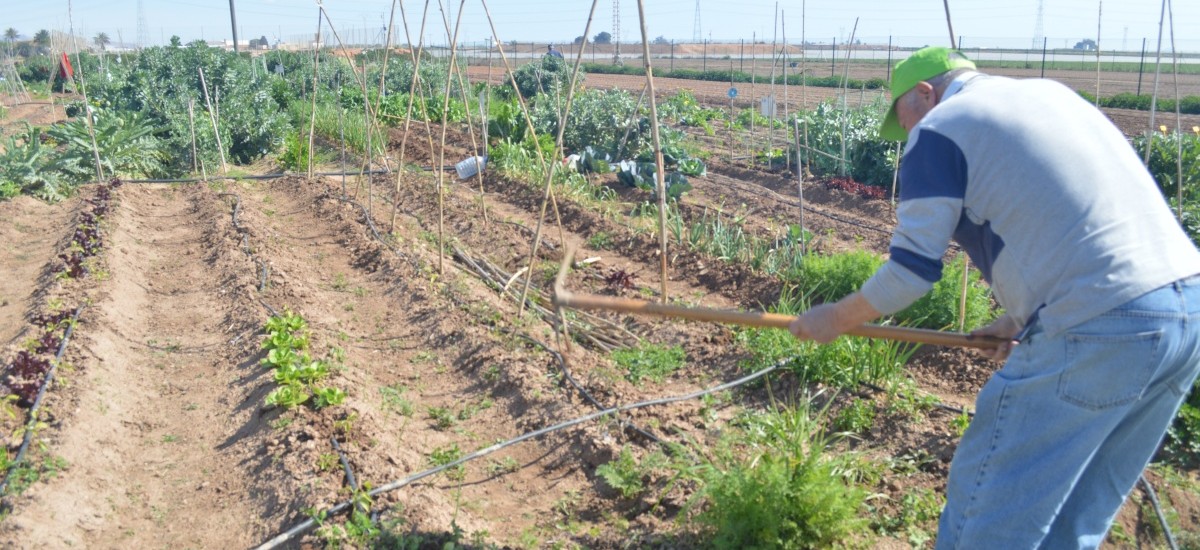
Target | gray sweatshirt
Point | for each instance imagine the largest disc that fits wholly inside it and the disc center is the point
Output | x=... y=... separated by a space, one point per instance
x=1044 y=194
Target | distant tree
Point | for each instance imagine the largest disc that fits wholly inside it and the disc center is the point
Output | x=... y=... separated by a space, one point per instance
x=102 y=40
x=42 y=39
x=10 y=36
x=602 y=38
x=262 y=42
x=176 y=42
x=1087 y=44
x=661 y=40
x=579 y=40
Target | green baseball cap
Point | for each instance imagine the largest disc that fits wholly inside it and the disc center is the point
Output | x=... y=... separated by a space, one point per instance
x=923 y=64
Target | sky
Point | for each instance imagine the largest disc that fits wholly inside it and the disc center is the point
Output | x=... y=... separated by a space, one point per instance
x=980 y=23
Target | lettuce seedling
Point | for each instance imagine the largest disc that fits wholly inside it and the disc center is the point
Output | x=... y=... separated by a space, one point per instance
x=288 y=396
x=327 y=397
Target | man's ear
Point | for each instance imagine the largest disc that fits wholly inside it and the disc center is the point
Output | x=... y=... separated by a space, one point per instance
x=926 y=93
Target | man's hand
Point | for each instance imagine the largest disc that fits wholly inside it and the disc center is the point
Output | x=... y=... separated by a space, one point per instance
x=818 y=324
x=1005 y=327
x=826 y=322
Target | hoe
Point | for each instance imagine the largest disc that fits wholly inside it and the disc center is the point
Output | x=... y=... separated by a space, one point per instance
x=565 y=298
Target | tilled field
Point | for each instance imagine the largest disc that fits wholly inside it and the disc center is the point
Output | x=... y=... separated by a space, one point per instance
x=159 y=431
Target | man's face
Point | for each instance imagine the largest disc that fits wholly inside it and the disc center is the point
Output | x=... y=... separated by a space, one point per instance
x=915 y=104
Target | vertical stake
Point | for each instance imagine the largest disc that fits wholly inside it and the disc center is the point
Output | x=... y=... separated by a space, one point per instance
x=213 y=117
x=660 y=174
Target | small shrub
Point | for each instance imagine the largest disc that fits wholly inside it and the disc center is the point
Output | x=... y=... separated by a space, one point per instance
x=772 y=484
x=833 y=277
x=1169 y=152
x=442 y=456
x=857 y=417
x=1182 y=446
x=623 y=474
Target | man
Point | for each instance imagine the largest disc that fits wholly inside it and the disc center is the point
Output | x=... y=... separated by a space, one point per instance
x=1095 y=277
x=551 y=51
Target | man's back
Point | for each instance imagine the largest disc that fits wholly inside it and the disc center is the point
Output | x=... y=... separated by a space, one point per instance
x=1057 y=208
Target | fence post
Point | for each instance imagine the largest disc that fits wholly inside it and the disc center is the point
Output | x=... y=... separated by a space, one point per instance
x=833 y=57
x=1141 y=66
x=1043 y=57
x=889 y=63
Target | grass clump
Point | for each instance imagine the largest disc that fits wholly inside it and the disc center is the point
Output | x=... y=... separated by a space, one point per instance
x=651 y=361
x=844 y=363
x=857 y=417
x=831 y=278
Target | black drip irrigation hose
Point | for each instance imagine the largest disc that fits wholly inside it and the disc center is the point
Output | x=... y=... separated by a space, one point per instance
x=281 y=175
x=257 y=177
x=262 y=266
x=350 y=479
x=562 y=362
x=37 y=403
x=1162 y=518
x=375 y=231
x=308 y=524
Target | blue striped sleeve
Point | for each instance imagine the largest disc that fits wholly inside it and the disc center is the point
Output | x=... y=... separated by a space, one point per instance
x=929 y=269
x=933 y=166
x=933 y=182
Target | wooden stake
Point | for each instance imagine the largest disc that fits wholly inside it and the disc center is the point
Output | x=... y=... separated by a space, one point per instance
x=441 y=170
x=192 y=127
x=413 y=88
x=312 y=119
x=548 y=193
x=87 y=114
x=660 y=173
x=213 y=117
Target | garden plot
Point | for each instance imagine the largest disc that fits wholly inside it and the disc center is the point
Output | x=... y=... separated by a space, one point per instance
x=918 y=447
x=30 y=233
x=249 y=346
x=159 y=418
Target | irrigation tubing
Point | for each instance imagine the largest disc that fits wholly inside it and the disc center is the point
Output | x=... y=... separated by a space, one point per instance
x=1162 y=518
x=256 y=177
x=562 y=362
x=281 y=175
x=265 y=269
x=37 y=402
x=350 y=480
x=308 y=524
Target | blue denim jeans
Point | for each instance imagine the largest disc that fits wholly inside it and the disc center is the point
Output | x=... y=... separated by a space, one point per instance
x=1064 y=430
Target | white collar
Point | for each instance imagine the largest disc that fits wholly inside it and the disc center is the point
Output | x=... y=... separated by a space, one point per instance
x=957 y=84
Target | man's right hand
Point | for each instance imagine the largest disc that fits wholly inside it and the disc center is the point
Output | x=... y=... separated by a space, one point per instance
x=1005 y=327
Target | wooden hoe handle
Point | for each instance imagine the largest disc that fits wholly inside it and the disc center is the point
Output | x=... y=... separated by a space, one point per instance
x=769 y=320
x=564 y=298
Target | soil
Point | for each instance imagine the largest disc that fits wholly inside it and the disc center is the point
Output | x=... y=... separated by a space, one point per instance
x=159 y=430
